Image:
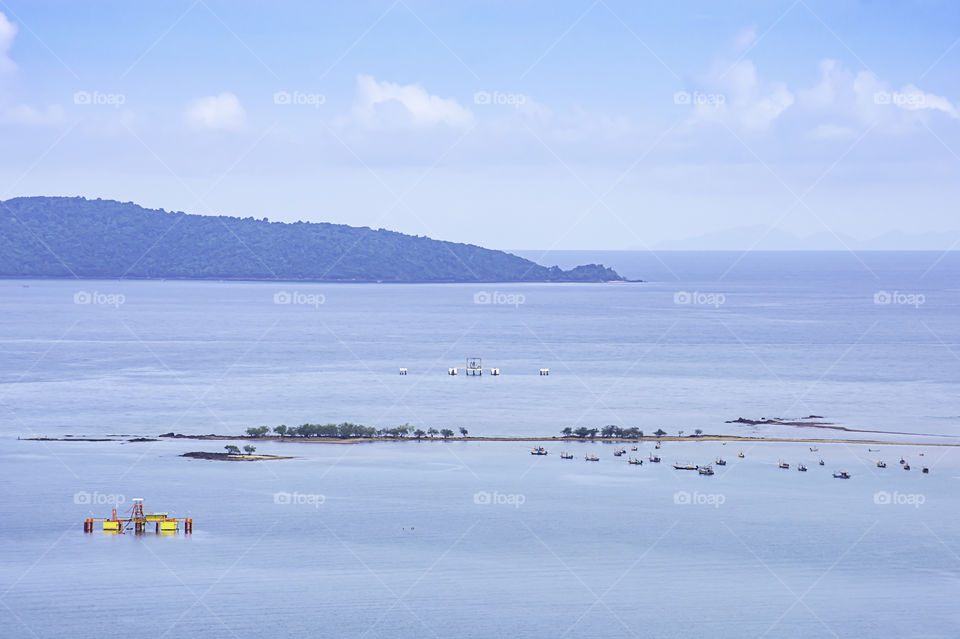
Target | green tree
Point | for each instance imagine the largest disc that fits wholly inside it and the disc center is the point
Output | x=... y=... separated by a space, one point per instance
x=258 y=431
x=698 y=432
x=446 y=433
x=419 y=434
x=280 y=430
x=582 y=432
x=248 y=449
x=463 y=431
x=659 y=432
x=567 y=431
x=433 y=432
x=232 y=450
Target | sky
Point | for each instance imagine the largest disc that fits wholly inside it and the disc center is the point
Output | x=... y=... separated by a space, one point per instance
x=589 y=124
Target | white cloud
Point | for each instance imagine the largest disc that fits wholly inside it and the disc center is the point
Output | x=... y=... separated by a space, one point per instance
x=734 y=94
x=864 y=98
x=25 y=114
x=389 y=104
x=745 y=39
x=222 y=111
x=8 y=31
x=912 y=98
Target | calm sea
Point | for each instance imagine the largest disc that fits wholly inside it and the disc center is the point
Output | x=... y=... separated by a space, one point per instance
x=483 y=539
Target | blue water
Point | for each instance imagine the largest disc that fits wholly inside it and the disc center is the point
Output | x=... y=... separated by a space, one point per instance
x=389 y=540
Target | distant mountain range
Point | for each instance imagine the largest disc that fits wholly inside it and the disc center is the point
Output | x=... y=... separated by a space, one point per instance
x=763 y=239
x=67 y=237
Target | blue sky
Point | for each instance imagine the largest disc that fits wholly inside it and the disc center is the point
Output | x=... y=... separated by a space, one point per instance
x=590 y=124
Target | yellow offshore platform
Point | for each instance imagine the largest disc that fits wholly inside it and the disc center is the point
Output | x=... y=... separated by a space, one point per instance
x=138 y=520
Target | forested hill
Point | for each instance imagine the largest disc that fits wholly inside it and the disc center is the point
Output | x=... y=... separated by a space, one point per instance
x=66 y=237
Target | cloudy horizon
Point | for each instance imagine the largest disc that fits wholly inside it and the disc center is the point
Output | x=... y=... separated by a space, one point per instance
x=592 y=126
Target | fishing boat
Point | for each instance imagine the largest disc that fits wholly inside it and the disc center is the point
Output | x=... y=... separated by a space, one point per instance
x=653 y=459
x=591 y=458
x=902 y=461
x=925 y=470
x=634 y=448
x=540 y=450
x=685 y=466
x=618 y=453
x=658 y=446
x=814 y=449
x=873 y=450
x=783 y=464
x=921 y=454
x=881 y=463
x=906 y=466
x=635 y=462
x=820 y=462
x=566 y=455
x=842 y=474
x=740 y=454
x=705 y=470
x=720 y=461
x=802 y=468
